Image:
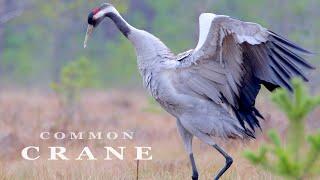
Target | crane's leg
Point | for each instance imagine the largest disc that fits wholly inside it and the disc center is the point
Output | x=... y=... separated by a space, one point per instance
x=207 y=139
x=228 y=161
x=195 y=173
x=187 y=140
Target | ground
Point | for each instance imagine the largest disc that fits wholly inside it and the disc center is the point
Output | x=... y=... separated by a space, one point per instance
x=24 y=114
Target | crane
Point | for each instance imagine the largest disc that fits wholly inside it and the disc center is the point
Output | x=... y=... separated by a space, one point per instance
x=211 y=89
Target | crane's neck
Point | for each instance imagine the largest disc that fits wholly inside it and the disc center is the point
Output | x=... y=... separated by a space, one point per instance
x=122 y=24
x=147 y=46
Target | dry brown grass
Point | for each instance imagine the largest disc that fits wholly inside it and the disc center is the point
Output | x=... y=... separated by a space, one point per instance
x=23 y=115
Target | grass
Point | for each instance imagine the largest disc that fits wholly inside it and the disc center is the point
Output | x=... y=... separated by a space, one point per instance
x=24 y=114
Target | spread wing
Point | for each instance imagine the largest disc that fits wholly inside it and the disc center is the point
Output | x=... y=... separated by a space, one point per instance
x=232 y=60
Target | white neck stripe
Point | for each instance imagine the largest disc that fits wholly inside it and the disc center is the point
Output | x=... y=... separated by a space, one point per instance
x=104 y=11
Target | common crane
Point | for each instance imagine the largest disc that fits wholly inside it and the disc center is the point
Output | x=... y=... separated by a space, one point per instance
x=211 y=89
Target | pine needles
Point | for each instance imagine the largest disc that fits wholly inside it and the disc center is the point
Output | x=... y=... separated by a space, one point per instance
x=297 y=157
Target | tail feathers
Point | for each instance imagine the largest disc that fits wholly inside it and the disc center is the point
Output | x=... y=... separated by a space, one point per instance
x=239 y=132
x=228 y=127
x=270 y=86
x=250 y=118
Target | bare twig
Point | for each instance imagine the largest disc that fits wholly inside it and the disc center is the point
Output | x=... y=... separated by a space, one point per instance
x=137 y=178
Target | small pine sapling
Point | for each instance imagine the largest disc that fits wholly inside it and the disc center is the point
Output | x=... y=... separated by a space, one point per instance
x=74 y=78
x=297 y=157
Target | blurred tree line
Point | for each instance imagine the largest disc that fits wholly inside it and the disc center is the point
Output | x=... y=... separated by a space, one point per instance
x=38 y=38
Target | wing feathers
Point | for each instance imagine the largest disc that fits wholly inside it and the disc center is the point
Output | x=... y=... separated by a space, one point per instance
x=233 y=61
x=204 y=87
x=288 y=43
x=232 y=84
x=282 y=81
x=292 y=55
x=293 y=67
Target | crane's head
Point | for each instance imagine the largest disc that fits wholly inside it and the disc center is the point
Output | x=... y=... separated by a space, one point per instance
x=95 y=17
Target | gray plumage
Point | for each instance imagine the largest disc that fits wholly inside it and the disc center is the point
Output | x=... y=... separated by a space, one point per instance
x=211 y=90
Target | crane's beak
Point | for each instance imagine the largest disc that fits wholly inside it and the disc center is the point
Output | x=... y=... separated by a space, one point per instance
x=88 y=35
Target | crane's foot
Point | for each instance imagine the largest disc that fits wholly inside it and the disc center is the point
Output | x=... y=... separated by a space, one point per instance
x=195 y=176
x=229 y=161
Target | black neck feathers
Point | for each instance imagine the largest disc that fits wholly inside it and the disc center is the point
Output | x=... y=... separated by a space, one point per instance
x=120 y=23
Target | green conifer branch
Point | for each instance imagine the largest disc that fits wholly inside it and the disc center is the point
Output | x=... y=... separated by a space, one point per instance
x=293 y=159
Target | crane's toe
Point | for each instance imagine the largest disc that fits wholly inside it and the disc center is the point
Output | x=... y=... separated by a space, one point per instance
x=195 y=176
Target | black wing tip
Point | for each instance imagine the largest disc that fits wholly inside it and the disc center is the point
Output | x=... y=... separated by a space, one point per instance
x=249 y=134
x=270 y=86
x=312 y=67
x=311 y=53
x=290 y=43
x=290 y=65
x=292 y=55
x=257 y=113
x=282 y=82
x=250 y=117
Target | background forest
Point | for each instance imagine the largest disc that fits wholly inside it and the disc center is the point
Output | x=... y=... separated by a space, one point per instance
x=37 y=38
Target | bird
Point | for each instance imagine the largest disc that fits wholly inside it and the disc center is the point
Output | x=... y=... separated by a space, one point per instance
x=211 y=89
